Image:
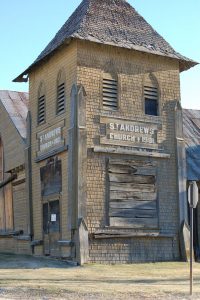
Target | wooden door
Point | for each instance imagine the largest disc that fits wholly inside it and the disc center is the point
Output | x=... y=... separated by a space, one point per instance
x=46 y=228
x=51 y=228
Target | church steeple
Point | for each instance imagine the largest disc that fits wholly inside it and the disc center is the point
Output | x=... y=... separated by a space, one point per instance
x=111 y=22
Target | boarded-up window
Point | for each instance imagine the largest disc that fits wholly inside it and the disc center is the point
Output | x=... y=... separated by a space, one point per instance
x=133 y=194
x=51 y=178
x=110 y=92
x=60 y=105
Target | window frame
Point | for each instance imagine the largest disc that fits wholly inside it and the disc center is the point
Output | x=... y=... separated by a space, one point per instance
x=145 y=98
x=109 y=76
x=144 y=168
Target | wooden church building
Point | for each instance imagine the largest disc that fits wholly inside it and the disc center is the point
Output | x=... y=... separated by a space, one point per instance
x=15 y=234
x=104 y=146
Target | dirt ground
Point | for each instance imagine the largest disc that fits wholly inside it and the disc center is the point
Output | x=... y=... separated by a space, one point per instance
x=25 y=277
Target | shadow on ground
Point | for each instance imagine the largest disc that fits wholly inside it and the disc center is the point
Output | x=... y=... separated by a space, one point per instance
x=12 y=261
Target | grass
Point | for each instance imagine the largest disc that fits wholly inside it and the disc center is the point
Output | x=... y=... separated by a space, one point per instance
x=137 y=281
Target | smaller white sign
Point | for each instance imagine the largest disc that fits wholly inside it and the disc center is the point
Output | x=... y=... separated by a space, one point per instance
x=193 y=194
x=53 y=217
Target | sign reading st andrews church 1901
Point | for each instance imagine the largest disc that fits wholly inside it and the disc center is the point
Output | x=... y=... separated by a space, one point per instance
x=129 y=133
x=50 y=139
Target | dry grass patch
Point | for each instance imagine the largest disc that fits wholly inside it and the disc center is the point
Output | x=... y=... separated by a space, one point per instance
x=39 y=278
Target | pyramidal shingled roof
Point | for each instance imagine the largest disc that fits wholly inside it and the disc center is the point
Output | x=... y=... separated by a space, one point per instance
x=111 y=22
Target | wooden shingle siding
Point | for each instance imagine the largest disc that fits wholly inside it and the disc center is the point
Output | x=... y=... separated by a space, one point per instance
x=133 y=194
x=19 y=201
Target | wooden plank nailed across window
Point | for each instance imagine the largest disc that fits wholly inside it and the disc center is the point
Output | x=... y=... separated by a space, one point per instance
x=133 y=194
x=132 y=213
x=136 y=196
x=126 y=178
x=132 y=187
x=123 y=204
x=150 y=223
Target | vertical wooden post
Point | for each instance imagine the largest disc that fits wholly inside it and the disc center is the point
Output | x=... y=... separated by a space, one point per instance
x=182 y=182
x=77 y=170
x=181 y=164
x=28 y=172
x=2 y=199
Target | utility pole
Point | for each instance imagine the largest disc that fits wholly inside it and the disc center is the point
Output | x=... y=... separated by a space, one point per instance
x=193 y=200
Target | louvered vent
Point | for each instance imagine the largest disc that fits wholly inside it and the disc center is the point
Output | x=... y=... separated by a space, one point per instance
x=151 y=100
x=61 y=98
x=110 y=93
x=41 y=109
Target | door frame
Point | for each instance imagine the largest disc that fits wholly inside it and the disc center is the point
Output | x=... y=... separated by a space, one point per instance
x=47 y=237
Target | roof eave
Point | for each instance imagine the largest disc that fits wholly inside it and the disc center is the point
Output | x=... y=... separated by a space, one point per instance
x=23 y=77
x=184 y=64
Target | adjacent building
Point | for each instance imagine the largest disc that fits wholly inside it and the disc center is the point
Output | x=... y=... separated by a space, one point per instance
x=191 y=131
x=14 y=205
x=105 y=141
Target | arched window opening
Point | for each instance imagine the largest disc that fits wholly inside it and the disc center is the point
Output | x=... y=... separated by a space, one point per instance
x=151 y=96
x=61 y=96
x=110 y=92
x=41 y=105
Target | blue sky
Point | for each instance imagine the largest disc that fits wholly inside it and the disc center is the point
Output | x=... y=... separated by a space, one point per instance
x=27 y=26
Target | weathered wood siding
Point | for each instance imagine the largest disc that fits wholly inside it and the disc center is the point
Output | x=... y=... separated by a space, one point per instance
x=20 y=201
x=8 y=195
x=65 y=60
x=10 y=136
x=111 y=207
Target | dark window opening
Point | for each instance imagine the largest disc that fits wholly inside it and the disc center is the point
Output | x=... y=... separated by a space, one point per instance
x=151 y=100
x=51 y=178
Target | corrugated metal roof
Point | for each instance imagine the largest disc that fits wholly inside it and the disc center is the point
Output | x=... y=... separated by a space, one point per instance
x=16 y=104
x=191 y=131
x=111 y=22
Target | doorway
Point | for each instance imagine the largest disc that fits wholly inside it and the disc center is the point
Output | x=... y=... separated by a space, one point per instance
x=51 y=228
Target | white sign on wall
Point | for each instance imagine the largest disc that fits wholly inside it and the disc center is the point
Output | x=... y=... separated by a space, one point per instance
x=129 y=133
x=50 y=139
